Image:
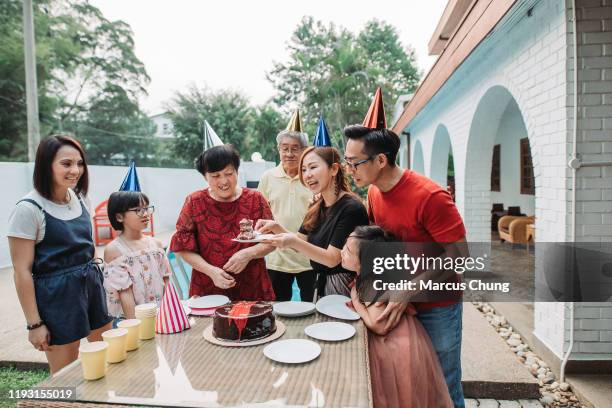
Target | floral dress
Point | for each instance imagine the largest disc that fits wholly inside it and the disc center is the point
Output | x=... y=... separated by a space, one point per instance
x=207 y=226
x=142 y=270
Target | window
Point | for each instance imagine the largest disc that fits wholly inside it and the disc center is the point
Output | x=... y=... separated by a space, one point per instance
x=166 y=129
x=495 y=169
x=527 y=179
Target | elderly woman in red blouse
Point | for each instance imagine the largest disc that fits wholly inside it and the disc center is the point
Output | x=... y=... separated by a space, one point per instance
x=209 y=221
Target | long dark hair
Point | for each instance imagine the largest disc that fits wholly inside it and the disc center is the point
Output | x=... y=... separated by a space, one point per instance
x=330 y=156
x=43 y=171
x=368 y=235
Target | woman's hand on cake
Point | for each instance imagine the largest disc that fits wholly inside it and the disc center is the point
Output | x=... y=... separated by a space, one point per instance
x=237 y=262
x=284 y=240
x=269 y=227
x=221 y=279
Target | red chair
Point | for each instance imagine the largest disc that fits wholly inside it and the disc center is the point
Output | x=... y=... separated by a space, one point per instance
x=101 y=222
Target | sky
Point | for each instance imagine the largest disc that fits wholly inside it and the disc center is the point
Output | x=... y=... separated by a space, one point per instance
x=233 y=43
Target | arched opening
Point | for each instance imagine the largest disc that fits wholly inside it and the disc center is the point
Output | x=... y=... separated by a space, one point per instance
x=418 y=161
x=442 y=164
x=499 y=166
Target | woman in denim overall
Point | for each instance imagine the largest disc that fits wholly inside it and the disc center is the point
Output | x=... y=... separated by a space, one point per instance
x=59 y=284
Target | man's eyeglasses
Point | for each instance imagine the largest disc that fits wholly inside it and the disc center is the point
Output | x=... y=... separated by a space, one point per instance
x=142 y=211
x=353 y=166
x=287 y=150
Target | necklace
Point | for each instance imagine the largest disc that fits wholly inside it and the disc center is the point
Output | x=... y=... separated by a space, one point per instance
x=67 y=201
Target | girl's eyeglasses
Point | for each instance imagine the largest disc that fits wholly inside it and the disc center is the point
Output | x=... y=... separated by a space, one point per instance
x=142 y=211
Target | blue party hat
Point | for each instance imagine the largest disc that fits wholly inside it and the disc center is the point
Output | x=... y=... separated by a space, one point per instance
x=130 y=182
x=322 y=138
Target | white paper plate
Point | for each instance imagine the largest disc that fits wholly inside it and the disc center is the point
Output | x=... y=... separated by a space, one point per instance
x=293 y=309
x=207 y=302
x=293 y=351
x=329 y=299
x=258 y=238
x=187 y=309
x=335 y=306
x=330 y=331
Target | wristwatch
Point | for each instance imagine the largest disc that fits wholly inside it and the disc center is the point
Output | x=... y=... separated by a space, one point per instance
x=35 y=325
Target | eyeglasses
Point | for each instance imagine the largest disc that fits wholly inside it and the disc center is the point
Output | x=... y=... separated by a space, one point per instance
x=353 y=166
x=142 y=211
x=287 y=150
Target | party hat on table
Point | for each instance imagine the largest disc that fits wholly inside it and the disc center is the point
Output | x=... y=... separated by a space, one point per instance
x=130 y=182
x=295 y=123
x=171 y=317
x=210 y=137
x=322 y=138
x=375 y=118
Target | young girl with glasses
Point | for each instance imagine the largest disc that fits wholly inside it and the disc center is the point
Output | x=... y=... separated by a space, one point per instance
x=137 y=268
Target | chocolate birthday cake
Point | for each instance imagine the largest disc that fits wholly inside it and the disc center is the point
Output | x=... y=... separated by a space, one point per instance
x=246 y=229
x=243 y=321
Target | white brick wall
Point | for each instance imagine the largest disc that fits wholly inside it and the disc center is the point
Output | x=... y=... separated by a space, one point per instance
x=593 y=321
x=530 y=61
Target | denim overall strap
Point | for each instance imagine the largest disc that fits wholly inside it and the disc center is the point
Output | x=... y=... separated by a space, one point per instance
x=66 y=244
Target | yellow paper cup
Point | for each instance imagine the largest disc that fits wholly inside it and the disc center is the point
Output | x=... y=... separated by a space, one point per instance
x=145 y=309
x=133 y=328
x=117 y=345
x=147 y=327
x=93 y=359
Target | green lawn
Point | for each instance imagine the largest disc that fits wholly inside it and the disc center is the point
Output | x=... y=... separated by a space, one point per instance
x=11 y=378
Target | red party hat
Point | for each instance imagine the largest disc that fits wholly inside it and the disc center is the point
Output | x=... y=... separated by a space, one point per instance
x=171 y=317
x=375 y=118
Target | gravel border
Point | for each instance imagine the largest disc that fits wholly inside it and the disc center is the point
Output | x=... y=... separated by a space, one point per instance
x=554 y=394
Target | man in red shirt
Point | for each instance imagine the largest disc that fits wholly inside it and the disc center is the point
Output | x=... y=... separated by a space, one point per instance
x=415 y=209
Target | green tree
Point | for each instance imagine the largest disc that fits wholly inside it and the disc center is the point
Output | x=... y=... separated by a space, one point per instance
x=86 y=66
x=228 y=112
x=13 y=124
x=267 y=123
x=330 y=70
x=111 y=139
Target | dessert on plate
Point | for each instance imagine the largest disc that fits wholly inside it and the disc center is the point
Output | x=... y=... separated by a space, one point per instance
x=246 y=230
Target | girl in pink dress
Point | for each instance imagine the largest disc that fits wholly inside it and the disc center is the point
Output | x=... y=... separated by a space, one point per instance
x=404 y=367
x=137 y=268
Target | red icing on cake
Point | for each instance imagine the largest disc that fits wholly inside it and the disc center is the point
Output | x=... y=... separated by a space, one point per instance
x=239 y=314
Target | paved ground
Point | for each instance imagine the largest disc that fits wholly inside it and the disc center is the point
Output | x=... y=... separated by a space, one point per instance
x=491 y=403
x=595 y=390
x=13 y=335
x=490 y=368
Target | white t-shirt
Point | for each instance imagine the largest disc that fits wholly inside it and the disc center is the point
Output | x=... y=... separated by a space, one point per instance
x=28 y=221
